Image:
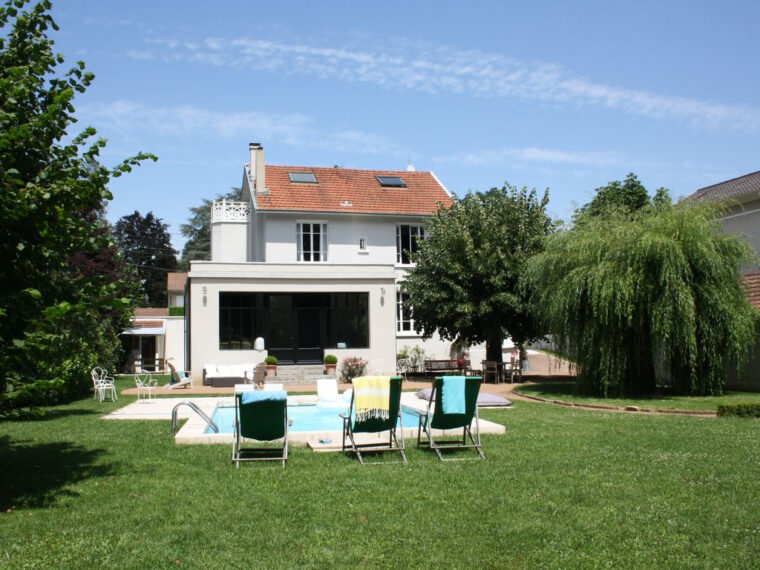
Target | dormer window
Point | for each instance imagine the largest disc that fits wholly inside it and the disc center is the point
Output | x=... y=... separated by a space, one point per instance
x=302 y=177
x=391 y=181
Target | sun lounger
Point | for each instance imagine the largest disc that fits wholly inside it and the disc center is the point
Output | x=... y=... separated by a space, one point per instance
x=384 y=418
x=261 y=416
x=438 y=417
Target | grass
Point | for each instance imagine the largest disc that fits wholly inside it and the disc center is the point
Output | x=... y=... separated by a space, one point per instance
x=565 y=391
x=564 y=488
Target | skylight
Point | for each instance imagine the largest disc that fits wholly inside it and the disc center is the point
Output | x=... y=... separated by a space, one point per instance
x=305 y=177
x=393 y=181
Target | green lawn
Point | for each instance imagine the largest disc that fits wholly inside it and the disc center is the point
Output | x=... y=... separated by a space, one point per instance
x=565 y=391
x=564 y=488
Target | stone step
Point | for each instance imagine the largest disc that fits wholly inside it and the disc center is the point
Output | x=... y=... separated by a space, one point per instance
x=298 y=374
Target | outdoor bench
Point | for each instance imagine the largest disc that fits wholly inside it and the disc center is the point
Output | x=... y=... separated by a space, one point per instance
x=434 y=366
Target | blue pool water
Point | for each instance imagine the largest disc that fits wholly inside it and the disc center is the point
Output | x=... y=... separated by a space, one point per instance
x=303 y=418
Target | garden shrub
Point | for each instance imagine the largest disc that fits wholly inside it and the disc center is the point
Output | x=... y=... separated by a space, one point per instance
x=740 y=410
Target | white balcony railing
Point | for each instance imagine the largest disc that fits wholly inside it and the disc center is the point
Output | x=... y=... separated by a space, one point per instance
x=224 y=211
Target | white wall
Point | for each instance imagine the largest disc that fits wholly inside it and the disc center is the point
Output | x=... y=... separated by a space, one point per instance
x=343 y=237
x=174 y=341
x=208 y=279
x=744 y=220
x=229 y=241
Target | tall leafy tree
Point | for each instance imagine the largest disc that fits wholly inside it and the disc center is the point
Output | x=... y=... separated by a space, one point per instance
x=197 y=230
x=466 y=280
x=647 y=300
x=145 y=243
x=58 y=318
x=625 y=196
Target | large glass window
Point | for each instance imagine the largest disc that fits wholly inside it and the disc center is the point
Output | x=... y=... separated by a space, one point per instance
x=295 y=323
x=348 y=320
x=407 y=241
x=311 y=241
x=404 y=322
x=241 y=320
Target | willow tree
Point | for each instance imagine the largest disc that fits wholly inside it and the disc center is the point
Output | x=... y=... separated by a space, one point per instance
x=645 y=300
x=466 y=281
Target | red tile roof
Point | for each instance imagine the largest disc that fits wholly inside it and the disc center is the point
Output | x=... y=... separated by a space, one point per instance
x=151 y=312
x=147 y=324
x=753 y=288
x=347 y=190
x=175 y=281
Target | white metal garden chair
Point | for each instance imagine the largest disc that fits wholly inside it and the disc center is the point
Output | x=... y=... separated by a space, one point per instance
x=145 y=385
x=103 y=384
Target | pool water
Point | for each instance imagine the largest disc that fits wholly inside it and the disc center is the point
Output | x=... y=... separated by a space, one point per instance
x=302 y=418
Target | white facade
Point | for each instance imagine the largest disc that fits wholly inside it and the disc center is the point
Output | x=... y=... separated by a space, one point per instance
x=209 y=279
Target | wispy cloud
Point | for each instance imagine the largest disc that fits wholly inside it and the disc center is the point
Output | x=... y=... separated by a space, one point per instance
x=129 y=119
x=534 y=155
x=439 y=69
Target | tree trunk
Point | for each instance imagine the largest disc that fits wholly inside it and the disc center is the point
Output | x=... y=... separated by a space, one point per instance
x=493 y=348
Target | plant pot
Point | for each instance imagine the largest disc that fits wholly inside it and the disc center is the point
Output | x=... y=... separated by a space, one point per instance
x=330 y=369
x=271 y=370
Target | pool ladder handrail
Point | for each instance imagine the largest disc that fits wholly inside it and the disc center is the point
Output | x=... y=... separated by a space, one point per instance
x=198 y=411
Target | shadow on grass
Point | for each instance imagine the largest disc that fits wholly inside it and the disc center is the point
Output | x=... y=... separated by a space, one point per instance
x=43 y=415
x=35 y=474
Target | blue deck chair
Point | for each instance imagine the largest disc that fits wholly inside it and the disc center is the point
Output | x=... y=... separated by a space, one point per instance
x=436 y=417
x=261 y=416
x=353 y=426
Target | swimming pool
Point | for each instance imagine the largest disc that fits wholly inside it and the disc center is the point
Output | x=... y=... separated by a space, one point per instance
x=303 y=418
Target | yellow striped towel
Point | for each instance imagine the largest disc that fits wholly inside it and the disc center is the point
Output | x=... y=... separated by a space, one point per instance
x=372 y=397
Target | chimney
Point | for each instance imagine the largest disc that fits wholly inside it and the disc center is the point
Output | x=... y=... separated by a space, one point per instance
x=257 y=167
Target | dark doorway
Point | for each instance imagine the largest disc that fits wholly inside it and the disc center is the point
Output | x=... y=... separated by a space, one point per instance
x=148 y=352
x=297 y=327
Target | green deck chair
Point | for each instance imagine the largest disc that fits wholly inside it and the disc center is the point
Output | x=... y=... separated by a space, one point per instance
x=351 y=427
x=434 y=418
x=262 y=420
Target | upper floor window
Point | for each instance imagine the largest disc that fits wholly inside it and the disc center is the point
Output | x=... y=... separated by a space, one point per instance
x=311 y=241
x=407 y=242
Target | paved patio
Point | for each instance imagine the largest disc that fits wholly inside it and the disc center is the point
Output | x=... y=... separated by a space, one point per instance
x=194 y=430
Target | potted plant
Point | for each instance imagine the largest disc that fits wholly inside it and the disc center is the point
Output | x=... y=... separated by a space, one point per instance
x=331 y=362
x=271 y=362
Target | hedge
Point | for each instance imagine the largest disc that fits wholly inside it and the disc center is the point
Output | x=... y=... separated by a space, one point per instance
x=739 y=410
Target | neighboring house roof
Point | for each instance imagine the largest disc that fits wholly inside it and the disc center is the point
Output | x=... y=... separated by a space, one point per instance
x=753 y=288
x=147 y=324
x=348 y=190
x=730 y=189
x=151 y=312
x=176 y=281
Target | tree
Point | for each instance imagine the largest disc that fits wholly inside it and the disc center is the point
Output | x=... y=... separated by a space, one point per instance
x=647 y=300
x=627 y=196
x=145 y=244
x=57 y=317
x=466 y=280
x=198 y=229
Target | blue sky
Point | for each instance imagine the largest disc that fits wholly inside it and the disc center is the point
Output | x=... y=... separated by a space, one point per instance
x=564 y=95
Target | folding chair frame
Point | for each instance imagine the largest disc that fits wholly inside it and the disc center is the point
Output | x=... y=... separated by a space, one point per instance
x=393 y=444
x=240 y=453
x=425 y=424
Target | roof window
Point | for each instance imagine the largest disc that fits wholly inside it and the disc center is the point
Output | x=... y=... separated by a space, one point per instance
x=303 y=177
x=391 y=181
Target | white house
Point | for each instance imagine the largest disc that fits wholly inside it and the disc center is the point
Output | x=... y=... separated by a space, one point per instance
x=310 y=262
x=741 y=198
x=157 y=335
